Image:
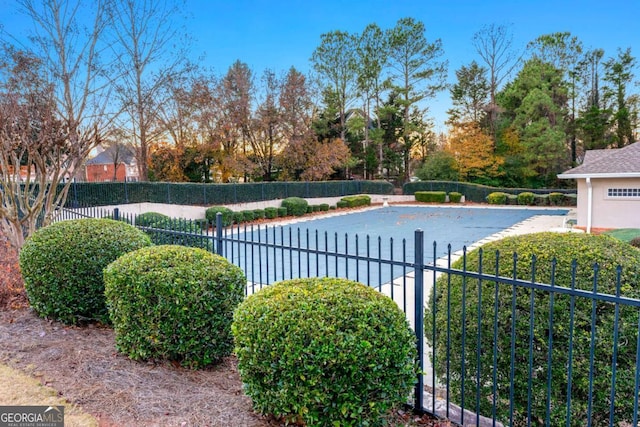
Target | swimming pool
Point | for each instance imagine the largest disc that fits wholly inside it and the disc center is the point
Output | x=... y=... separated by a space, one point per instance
x=364 y=245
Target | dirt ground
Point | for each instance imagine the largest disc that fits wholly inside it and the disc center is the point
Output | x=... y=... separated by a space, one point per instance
x=82 y=364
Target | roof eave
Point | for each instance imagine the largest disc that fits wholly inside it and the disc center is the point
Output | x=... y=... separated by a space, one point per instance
x=599 y=175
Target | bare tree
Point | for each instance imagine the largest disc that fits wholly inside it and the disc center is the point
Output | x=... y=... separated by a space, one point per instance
x=54 y=110
x=494 y=44
x=150 y=51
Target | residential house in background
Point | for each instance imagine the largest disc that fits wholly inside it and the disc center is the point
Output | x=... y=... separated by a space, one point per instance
x=608 y=188
x=115 y=163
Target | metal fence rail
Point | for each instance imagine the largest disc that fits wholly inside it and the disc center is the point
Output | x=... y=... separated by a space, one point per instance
x=495 y=348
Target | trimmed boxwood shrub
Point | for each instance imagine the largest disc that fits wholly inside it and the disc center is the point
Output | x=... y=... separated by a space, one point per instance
x=324 y=207
x=179 y=231
x=282 y=211
x=324 y=351
x=173 y=303
x=296 y=206
x=237 y=217
x=526 y=198
x=455 y=197
x=309 y=209
x=497 y=198
x=357 y=200
x=342 y=204
x=556 y=199
x=430 y=196
x=270 y=213
x=227 y=215
x=62 y=266
x=258 y=214
x=564 y=247
x=247 y=215
x=149 y=218
x=541 y=199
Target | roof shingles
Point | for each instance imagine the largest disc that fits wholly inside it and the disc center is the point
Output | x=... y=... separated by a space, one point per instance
x=617 y=161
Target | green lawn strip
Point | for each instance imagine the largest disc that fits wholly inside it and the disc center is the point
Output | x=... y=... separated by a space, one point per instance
x=624 y=234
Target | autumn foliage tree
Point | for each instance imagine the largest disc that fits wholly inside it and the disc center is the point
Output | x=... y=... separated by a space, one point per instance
x=473 y=151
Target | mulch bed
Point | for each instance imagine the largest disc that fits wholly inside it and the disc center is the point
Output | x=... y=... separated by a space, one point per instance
x=82 y=364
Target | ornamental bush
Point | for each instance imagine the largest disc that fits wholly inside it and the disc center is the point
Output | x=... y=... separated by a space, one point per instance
x=324 y=207
x=282 y=211
x=556 y=199
x=635 y=242
x=270 y=213
x=173 y=303
x=455 y=197
x=526 y=198
x=237 y=217
x=147 y=219
x=430 y=196
x=179 y=231
x=258 y=214
x=227 y=215
x=248 y=215
x=296 y=206
x=324 y=351
x=356 y=200
x=564 y=248
x=497 y=198
x=62 y=266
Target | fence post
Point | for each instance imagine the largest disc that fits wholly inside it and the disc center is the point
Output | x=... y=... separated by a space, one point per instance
x=419 y=314
x=219 y=233
x=116 y=214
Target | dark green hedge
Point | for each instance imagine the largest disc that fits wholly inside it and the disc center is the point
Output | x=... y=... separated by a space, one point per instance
x=476 y=192
x=431 y=196
x=114 y=193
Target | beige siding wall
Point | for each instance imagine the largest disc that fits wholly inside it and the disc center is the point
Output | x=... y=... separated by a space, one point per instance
x=609 y=212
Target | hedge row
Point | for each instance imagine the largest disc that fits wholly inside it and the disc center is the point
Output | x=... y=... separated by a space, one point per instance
x=530 y=199
x=474 y=192
x=114 y=193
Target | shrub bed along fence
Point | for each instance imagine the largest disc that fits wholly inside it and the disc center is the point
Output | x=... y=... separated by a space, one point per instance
x=115 y=193
x=476 y=192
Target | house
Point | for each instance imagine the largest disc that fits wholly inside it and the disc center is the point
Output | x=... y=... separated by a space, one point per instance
x=608 y=188
x=115 y=163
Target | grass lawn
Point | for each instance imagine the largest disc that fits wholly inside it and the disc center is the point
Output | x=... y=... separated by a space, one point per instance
x=624 y=234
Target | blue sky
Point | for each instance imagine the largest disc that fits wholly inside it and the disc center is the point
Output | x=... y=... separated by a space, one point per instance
x=278 y=34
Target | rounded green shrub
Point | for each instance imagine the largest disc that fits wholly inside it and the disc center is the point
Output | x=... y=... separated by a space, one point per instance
x=526 y=198
x=238 y=217
x=179 y=231
x=564 y=248
x=149 y=219
x=62 y=266
x=296 y=206
x=248 y=215
x=324 y=207
x=340 y=204
x=227 y=215
x=497 y=198
x=309 y=209
x=258 y=214
x=556 y=199
x=270 y=213
x=455 y=197
x=282 y=211
x=173 y=303
x=541 y=199
x=324 y=351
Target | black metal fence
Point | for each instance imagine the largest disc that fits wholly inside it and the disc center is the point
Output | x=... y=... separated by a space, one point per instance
x=495 y=349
